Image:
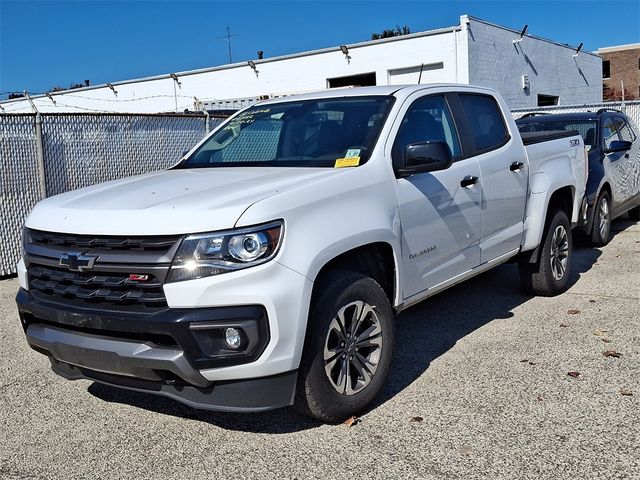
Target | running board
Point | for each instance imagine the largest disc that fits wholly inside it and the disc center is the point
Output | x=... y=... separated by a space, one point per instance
x=418 y=297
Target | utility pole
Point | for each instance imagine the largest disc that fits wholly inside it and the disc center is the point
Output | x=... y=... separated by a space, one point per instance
x=228 y=37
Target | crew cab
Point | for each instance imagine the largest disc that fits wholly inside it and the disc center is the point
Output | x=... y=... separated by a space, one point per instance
x=266 y=267
x=613 y=186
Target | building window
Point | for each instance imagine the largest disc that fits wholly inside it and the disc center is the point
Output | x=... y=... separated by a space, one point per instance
x=361 y=80
x=606 y=69
x=547 y=100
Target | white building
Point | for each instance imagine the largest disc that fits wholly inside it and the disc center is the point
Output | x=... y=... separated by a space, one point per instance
x=527 y=70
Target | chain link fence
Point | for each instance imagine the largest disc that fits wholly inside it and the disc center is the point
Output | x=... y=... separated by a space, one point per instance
x=47 y=154
x=69 y=151
x=19 y=183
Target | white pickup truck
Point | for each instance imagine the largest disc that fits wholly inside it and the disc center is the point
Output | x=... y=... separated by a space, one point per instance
x=265 y=268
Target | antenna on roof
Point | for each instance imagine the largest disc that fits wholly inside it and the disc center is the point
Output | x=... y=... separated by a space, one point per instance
x=228 y=37
x=578 y=50
x=522 y=34
x=420 y=76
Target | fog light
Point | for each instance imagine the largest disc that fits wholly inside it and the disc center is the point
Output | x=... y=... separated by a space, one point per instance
x=233 y=338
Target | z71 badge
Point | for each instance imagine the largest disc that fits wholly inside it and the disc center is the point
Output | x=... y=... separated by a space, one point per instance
x=574 y=143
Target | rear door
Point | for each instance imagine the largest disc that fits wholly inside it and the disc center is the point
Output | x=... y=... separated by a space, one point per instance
x=504 y=174
x=440 y=217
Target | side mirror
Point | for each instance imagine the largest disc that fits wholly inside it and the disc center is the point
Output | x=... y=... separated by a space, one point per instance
x=425 y=157
x=618 y=146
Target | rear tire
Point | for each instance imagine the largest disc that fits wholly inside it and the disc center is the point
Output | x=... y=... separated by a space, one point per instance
x=549 y=275
x=348 y=348
x=634 y=213
x=601 y=230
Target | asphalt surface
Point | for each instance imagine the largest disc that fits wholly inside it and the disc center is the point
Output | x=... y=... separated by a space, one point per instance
x=480 y=389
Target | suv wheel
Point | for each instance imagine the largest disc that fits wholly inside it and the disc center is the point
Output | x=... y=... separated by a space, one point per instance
x=348 y=348
x=601 y=231
x=550 y=274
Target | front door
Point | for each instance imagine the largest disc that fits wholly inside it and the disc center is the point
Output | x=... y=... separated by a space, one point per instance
x=440 y=212
x=629 y=161
x=614 y=165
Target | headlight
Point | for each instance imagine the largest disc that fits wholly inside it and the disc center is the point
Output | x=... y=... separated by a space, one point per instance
x=209 y=254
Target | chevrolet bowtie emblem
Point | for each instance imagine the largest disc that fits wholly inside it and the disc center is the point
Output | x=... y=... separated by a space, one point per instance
x=77 y=262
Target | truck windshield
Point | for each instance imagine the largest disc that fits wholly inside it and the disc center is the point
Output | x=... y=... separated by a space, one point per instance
x=586 y=128
x=307 y=133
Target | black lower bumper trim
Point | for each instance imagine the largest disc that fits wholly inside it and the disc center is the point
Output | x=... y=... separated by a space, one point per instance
x=116 y=356
x=246 y=395
x=198 y=332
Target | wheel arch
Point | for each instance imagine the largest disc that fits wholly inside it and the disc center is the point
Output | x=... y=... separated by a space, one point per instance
x=376 y=260
x=562 y=198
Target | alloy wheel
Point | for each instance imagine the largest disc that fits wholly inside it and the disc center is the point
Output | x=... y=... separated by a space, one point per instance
x=603 y=218
x=559 y=252
x=352 y=348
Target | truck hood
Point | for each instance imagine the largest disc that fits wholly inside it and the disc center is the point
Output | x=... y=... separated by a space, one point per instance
x=168 y=202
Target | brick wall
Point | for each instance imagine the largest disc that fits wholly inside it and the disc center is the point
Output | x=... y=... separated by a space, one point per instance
x=624 y=67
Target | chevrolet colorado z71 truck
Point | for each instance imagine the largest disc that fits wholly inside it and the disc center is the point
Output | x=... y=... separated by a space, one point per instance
x=266 y=267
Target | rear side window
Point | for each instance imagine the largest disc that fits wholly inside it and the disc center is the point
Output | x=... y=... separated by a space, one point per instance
x=484 y=117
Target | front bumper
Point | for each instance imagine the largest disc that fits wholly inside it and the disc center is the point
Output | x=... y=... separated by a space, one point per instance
x=142 y=367
x=162 y=353
x=195 y=333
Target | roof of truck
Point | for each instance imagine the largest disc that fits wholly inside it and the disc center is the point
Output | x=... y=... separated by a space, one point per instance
x=371 y=91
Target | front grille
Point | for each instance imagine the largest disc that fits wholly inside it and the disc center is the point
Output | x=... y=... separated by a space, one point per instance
x=118 y=243
x=95 y=289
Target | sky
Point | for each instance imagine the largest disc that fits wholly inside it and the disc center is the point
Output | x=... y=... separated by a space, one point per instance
x=52 y=43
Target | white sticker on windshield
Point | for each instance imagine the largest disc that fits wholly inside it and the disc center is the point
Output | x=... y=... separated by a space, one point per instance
x=352 y=152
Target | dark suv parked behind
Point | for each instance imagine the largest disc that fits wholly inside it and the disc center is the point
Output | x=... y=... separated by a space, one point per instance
x=613 y=187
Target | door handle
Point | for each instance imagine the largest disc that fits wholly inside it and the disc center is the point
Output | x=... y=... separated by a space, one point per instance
x=468 y=181
x=515 y=166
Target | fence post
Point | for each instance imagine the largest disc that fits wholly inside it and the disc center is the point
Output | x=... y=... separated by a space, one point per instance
x=206 y=121
x=40 y=157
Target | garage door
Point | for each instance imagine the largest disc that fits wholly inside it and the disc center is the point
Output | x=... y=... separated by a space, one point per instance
x=432 y=72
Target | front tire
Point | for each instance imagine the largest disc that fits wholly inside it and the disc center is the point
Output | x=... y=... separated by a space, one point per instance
x=348 y=348
x=549 y=275
x=601 y=230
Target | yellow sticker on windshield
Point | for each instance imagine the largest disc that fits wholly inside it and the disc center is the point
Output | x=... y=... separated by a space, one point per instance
x=347 y=162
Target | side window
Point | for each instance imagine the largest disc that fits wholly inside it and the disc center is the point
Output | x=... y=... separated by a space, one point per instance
x=428 y=119
x=625 y=131
x=485 y=120
x=609 y=133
